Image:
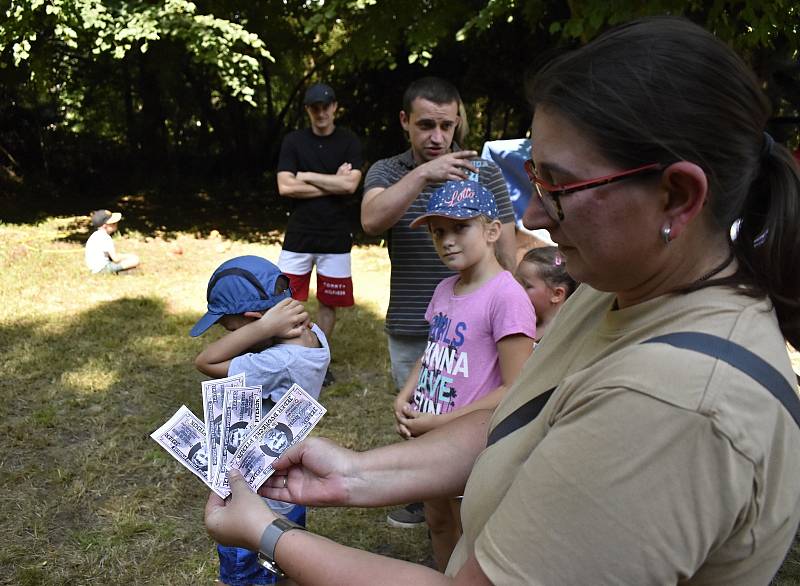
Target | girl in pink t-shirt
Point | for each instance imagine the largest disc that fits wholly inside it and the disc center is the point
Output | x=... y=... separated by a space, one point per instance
x=482 y=327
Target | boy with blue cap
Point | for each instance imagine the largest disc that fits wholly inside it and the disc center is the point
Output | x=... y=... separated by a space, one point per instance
x=272 y=341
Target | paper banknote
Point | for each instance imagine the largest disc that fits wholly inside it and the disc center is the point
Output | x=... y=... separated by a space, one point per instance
x=184 y=436
x=213 y=404
x=289 y=422
x=241 y=414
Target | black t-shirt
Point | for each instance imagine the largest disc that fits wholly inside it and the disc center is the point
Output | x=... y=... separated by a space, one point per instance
x=320 y=224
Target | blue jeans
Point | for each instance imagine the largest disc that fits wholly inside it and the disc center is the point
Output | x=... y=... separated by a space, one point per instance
x=111 y=268
x=240 y=567
x=404 y=351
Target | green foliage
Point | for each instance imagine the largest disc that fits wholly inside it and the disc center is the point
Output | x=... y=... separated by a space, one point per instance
x=494 y=10
x=156 y=85
x=53 y=39
x=747 y=24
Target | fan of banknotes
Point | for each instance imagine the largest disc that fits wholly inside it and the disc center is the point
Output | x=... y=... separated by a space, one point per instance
x=235 y=434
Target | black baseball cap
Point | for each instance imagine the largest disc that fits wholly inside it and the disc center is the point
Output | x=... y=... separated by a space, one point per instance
x=102 y=217
x=319 y=92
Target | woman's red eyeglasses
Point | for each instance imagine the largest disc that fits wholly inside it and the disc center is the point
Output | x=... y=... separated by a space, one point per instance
x=550 y=195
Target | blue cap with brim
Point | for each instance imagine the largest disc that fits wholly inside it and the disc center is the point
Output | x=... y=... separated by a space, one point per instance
x=460 y=200
x=244 y=283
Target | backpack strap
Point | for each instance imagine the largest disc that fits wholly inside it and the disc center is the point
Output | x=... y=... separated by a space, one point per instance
x=520 y=417
x=729 y=352
x=740 y=358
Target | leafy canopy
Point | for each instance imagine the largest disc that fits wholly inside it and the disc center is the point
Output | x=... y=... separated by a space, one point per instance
x=51 y=38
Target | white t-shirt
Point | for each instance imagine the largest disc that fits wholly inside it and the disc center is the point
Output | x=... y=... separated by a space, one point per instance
x=99 y=249
x=278 y=367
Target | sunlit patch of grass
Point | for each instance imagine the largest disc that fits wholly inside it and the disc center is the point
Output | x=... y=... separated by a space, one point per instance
x=91 y=377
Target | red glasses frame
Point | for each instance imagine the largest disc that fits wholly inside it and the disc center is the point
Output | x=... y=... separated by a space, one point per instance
x=550 y=194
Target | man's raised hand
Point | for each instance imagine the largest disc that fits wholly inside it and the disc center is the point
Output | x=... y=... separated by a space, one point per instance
x=450 y=167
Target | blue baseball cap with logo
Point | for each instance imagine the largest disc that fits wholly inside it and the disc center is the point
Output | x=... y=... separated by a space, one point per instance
x=244 y=283
x=461 y=200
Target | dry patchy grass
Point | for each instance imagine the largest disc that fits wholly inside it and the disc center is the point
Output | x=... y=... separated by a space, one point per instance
x=89 y=366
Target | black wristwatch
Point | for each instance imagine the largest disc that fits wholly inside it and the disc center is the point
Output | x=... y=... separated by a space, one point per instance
x=269 y=539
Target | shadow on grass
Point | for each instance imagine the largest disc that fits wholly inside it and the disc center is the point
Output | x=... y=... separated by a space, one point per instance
x=79 y=467
x=253 y=212
x=85 y=485
x=245 y=216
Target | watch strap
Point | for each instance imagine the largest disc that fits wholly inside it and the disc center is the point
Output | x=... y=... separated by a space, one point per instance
x=269 y=540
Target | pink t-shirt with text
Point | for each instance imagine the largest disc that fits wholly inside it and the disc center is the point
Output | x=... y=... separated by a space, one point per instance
x=460 y=363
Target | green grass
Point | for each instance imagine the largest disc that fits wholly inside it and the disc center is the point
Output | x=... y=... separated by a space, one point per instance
x=90 y=366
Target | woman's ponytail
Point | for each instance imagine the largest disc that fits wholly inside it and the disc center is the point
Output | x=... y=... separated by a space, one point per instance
x=767 y=244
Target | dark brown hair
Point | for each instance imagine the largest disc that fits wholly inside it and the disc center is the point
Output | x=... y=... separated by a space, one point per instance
x=433 y=89
x=438 y=91
x=663 y=89
x=551 y=268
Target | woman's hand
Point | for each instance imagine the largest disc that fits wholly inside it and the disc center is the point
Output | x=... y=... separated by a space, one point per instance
x=241 y=518
x=314 y=472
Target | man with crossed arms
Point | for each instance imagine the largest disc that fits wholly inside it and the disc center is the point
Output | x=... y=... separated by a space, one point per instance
x=320 y=169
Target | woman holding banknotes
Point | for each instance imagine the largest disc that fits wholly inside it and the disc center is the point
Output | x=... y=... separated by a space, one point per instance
x=642 y=443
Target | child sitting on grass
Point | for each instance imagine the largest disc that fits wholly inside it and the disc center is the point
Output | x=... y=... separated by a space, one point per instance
x=542 y=272
x=271 y=340
x=482 y=327
x=101 y=255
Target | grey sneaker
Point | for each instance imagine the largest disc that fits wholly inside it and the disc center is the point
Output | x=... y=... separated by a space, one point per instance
x=410 y=516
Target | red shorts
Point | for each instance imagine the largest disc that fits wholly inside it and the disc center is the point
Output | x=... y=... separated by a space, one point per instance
x=334 y=281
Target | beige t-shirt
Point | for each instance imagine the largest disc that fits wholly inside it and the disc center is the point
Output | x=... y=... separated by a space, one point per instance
x=649 y=464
